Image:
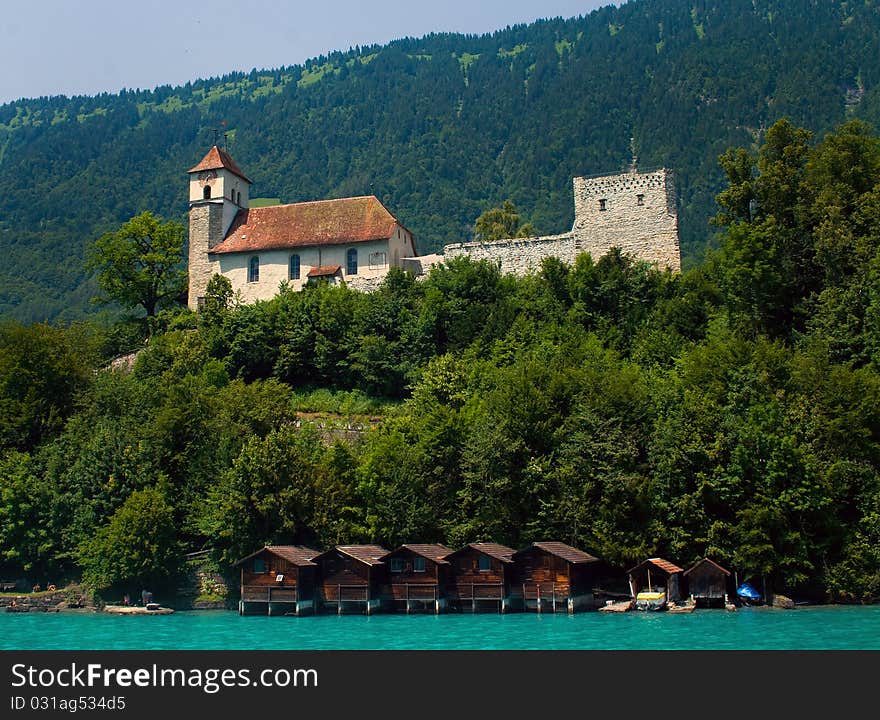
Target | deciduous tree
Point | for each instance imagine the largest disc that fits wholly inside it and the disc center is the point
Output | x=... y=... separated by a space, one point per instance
x=139 y=265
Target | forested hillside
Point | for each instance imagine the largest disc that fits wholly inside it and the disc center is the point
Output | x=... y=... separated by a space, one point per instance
x=439 y=128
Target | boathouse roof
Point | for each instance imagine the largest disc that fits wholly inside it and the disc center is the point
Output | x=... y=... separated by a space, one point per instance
x=294 y=554
x=431 y=551
x=367 y=554
x=495 y=550
x=561 y=550
x=704 y=562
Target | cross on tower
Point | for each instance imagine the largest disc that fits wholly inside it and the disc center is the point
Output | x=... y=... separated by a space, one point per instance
x=216 y=132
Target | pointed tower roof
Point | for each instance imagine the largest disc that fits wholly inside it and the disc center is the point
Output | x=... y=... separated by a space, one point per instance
x=217 y=159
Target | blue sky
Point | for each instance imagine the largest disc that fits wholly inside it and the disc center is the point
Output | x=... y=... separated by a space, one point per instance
x=74 y=47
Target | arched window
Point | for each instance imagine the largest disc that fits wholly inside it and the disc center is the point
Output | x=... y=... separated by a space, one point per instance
x=206 y=193
x=293 y=272
x=351 y=262
x=238 y=197
x=254 y=269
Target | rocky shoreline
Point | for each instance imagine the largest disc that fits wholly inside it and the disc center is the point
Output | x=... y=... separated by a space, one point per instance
x=71 y=598
x=75 y=599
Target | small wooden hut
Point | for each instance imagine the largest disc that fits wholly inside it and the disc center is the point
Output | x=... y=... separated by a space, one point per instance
x=554 y=576
x=352 y=578
x=278 y=580
x=418 y=577
x=656 y=574
x=482 y=577
x=706 y=582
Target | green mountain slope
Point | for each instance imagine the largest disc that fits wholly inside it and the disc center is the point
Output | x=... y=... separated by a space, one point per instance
x=439 y=128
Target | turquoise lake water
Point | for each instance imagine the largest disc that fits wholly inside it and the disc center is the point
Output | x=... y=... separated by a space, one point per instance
x=805 y=628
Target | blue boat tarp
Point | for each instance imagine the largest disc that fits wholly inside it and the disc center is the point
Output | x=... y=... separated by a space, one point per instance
x=747 y=591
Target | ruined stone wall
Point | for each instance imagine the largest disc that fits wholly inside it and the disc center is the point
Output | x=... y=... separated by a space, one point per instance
x=516 y=255
x=205 y=231
x=633 y=211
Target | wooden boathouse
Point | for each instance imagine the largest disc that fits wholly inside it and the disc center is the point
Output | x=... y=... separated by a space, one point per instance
x=482 y=577
x=706 y=582
x=555 y=577
x=352 y=578
x=418 y=577
x=278 y=580
x=656 y=574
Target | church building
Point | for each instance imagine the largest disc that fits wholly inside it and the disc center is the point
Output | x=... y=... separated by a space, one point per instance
x=355 y=240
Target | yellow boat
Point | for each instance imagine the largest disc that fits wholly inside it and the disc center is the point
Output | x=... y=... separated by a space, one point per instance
x=651 y=600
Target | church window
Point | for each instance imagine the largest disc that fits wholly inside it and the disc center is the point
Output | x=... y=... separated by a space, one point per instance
x=238 y=197
x=206 y=193
x=640 y=199
x=602 y=204
x=377 y=260
x=293 y=273
x=351 y=262
x=254 y=269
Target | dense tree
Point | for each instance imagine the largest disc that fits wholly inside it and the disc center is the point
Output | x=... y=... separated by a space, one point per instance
x=267 y=495
x=28 y=542
x=138 y=546
x=42 y=371
x=139 y=265
x=501 y=222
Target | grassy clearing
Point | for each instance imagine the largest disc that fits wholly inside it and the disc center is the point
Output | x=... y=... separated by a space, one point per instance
x=341 y=402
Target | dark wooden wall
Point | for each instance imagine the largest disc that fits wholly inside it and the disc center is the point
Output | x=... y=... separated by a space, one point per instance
x=336 y=568
x=706 y=582
x=465 y=571
x=537 y=566
x=272 y=562
x=434 y=574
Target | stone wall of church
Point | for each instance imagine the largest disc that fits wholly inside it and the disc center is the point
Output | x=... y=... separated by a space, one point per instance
x=205 y=231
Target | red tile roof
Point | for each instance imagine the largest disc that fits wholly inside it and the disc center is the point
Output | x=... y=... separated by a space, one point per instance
x=294 y=554
x=566 y=552
x=664 y=565
x=321 y=222
x=323 y=271
x=217 y=159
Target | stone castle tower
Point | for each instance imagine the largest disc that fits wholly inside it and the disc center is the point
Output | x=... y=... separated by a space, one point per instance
x=634 y=211
x=218 y=189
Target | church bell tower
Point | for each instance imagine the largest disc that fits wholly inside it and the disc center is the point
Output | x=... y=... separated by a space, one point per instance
x=218 y=191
